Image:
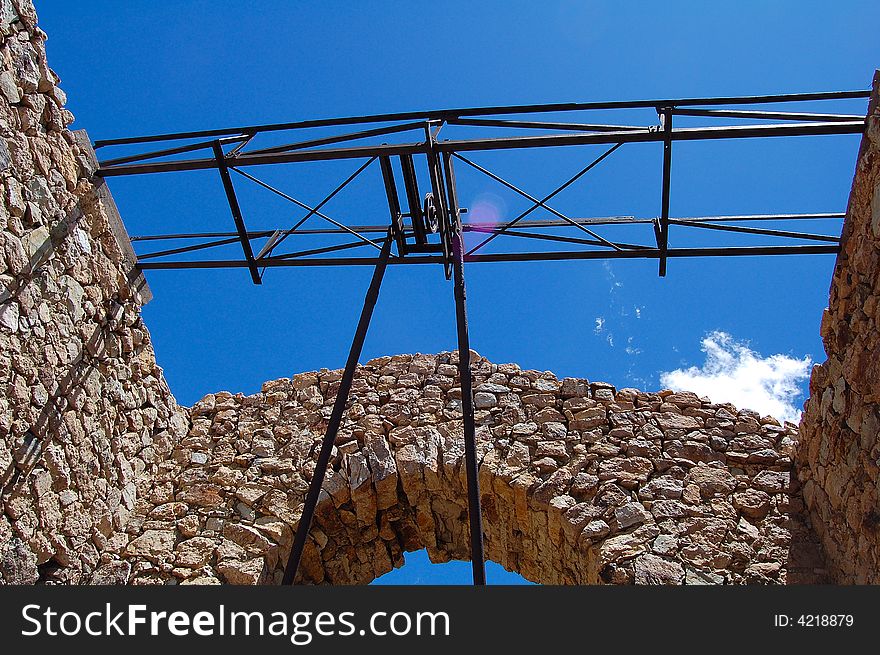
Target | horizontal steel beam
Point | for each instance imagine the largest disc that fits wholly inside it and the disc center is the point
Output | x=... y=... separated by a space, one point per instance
x=179 y=150
x=469 y=145
x=445 y=114
x=554 y=237
x=361 y=152
x=542 y=125
x=767 y=115
x=329 y=140
x=653 y=253
x=757 y=230
x=645 y=136
x=191 y=248
x=534 y=224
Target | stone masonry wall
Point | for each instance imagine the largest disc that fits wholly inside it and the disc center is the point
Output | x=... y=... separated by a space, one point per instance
x=839 y=457
x=581 y=483
x=85 y=414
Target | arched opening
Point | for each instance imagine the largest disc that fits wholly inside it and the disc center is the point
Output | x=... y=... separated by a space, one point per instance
x=418 y=569
x=581 y=483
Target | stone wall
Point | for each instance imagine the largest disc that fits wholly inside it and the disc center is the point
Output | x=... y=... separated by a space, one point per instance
x=581 y=483
x=85 y=414
x=839 y=458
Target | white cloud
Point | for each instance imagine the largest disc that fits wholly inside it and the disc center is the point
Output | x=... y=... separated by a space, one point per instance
x=600 y=324
x=735 y=373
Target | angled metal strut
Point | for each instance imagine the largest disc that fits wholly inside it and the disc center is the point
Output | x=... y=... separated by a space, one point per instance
x=357 y=344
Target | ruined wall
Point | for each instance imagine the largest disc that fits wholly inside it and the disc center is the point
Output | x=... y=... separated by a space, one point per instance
x=581 y=483
x=839 y=457
x=85 y=414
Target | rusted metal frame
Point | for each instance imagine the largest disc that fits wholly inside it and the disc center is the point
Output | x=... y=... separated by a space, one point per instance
x=745 y=251
x=490 y=111
x=544 y=223
x=469 y=145
x=488 y=227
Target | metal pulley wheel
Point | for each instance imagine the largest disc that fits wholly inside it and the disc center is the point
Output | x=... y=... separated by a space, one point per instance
x=431 y=213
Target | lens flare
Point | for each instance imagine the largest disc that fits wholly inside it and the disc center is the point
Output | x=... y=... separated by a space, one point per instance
x=486 y=208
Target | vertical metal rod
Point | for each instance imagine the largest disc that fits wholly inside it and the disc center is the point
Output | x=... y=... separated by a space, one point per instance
x=236 y=211
x=438 y=191
x=393 y=204
x=453 y=216
x=467 y=408
x=311 y=502
x=666 y=119
x=411 y=184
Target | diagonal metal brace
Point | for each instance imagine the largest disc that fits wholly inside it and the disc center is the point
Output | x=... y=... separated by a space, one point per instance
x=311 y=502
x=236 y=211
x=541 y=203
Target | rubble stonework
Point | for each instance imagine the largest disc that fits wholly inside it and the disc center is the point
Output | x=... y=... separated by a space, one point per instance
x=85 y=414
x=105 y=480
x=839 y=457
x=581 y=483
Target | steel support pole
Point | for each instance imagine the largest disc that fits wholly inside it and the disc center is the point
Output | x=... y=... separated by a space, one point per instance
x=467 y=409
x=663 y=245
x=308 y=513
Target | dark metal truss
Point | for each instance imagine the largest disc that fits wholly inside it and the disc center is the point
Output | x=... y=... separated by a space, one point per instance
x=425 y=226
x=233 y=150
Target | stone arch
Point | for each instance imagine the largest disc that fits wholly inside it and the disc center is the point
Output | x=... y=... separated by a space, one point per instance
x=581 y=483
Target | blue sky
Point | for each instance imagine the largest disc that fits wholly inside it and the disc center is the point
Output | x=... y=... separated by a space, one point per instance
x=148 y=67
